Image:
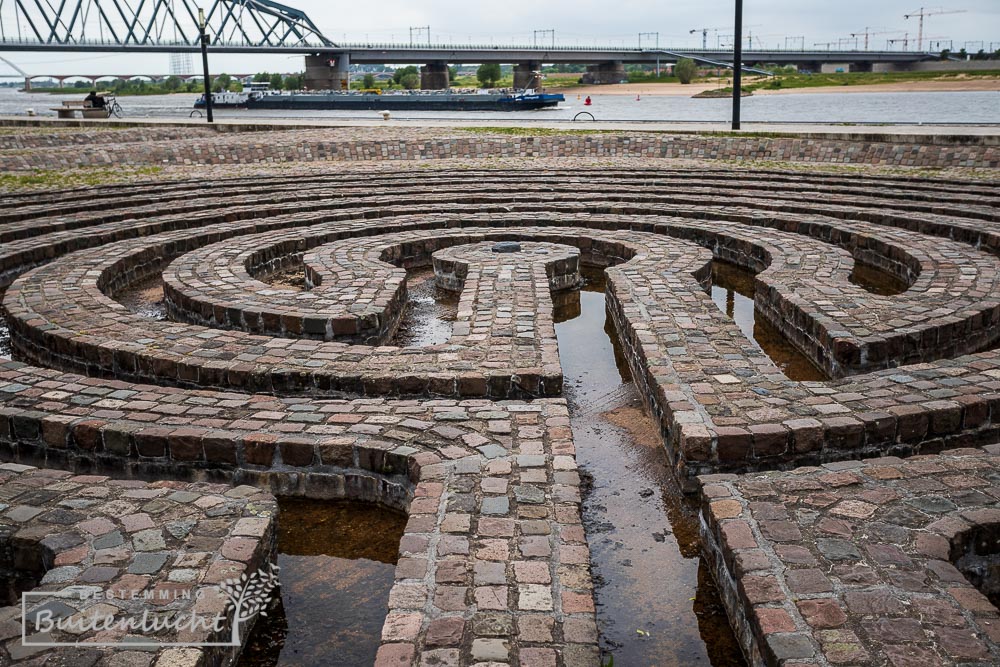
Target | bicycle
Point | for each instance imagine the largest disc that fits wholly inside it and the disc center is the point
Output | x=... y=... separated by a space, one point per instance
x=112 y=106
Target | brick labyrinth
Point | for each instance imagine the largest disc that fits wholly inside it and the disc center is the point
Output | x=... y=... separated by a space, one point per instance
x=302 y=392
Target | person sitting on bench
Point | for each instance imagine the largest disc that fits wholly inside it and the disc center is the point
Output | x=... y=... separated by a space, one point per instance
x=94 y=100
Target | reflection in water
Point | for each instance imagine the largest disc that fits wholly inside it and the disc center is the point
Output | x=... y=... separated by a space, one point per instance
x=145 y=298
x=430 y=311
x=655 y=604
x=733 y=292
x=876 y=280
x=338 y=561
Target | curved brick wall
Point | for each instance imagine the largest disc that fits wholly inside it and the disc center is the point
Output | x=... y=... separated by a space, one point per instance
x=239 y=387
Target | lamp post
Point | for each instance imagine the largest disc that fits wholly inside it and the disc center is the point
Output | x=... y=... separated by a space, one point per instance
x=737 y=64
x=204 y=63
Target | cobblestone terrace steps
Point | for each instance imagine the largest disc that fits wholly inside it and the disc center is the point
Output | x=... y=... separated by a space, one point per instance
x=413 y=143
x=494 y=563
x=722 y=404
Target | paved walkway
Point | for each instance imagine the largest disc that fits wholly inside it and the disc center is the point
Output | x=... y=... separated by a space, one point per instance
x=842 y=130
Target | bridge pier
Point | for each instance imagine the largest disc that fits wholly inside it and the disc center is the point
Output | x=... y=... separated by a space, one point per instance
x=27 y=84
x=328 y=71
x=528 y=75
x=435 y=76
x=609 y=72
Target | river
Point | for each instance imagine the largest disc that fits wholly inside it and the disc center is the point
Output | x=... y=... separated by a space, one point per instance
x=907 y=108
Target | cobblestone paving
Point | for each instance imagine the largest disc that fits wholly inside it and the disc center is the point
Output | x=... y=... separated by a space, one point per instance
x=302 y=392
x=855 y=562
x=89 y=547
x=165 y=146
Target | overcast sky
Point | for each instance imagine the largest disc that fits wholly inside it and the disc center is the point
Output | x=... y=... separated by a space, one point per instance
x=577 y=22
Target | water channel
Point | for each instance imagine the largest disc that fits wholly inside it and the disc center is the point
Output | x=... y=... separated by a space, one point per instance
x=656 y=602
x=338 y=562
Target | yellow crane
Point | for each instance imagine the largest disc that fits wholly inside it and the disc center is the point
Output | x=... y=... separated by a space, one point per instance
x=923 y=13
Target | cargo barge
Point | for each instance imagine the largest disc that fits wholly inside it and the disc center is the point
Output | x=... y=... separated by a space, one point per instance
x=373 y=101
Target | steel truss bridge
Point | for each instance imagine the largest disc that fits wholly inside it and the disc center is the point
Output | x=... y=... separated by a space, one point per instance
x=265 y=26
x=156 y=25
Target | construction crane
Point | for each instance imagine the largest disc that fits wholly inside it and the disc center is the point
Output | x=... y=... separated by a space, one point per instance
x=868 y=33
x=704 y=35
x=924 y=13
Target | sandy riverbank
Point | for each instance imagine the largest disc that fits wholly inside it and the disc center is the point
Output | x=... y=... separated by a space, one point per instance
x=677 y=89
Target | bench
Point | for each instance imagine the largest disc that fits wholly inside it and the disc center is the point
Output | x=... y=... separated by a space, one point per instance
x=70 y=107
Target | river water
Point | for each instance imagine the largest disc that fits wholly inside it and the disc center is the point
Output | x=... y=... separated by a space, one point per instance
x=947 y=107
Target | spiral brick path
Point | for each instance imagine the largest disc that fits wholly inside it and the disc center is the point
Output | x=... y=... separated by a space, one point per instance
x=303 y=392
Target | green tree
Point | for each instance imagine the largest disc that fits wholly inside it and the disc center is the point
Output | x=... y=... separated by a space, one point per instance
x=172 y=83
x=488 y=74
x=685 y=70
x=276 y=81
x=398 y=75
x=368 y=81
x=452 y=72
x=293 y=82
x=221 y=83
x=410 y=80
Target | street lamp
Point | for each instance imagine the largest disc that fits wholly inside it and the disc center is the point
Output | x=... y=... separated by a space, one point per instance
x=737 y=64
x=204 y=63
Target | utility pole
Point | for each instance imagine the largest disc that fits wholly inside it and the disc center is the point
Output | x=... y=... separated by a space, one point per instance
x=657 y=36
x=550 y=32
x=801 y=39
x=420 y=29
x=922 y=14
x=202 y=25
x=905 y=40
x=737 y=64
x=866 y=33
x=828 y=45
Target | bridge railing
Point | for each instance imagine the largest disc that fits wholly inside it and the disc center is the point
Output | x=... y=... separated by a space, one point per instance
x=458 y=48
x=166 y=43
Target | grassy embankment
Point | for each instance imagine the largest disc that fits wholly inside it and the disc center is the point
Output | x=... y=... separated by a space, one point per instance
x=51 y=178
